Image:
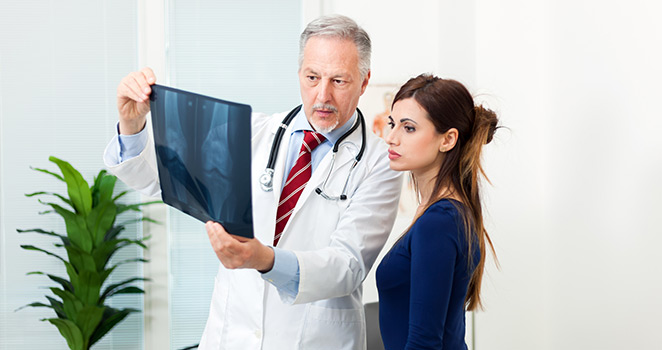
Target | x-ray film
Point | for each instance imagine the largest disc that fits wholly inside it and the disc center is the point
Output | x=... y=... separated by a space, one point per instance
x=203 y=151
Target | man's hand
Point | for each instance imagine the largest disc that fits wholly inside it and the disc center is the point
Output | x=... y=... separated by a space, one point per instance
x=237 y=252
x=133 y=100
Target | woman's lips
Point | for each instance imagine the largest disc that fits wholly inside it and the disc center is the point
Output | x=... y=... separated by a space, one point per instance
x=393 y=155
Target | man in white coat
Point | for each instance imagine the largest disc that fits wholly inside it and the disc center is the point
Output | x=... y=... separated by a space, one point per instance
x=305 y=291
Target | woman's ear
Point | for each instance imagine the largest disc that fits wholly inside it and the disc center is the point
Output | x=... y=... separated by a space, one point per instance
x=448 y=140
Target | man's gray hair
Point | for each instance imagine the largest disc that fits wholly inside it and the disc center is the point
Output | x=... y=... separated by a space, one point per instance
x=337 y=26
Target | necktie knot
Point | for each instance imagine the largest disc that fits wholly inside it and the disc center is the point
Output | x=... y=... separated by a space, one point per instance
x=311 y=139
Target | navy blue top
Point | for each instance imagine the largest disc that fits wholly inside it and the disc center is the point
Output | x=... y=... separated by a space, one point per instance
x=423 y=280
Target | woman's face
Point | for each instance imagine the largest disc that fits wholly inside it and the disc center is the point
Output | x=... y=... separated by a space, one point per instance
x=414 y=143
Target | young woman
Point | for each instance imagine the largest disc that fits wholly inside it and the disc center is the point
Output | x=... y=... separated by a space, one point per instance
x=433 y=272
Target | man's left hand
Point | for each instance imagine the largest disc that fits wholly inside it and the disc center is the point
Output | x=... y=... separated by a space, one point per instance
x=236 y=252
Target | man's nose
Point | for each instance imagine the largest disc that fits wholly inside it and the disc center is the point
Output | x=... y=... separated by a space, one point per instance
x=324 y=91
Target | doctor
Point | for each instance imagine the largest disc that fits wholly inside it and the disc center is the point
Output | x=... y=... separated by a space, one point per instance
x=297 y=285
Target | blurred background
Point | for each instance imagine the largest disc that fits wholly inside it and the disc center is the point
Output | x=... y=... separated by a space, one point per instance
x=574 y=201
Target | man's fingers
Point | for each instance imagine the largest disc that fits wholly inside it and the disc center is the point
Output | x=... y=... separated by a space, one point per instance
x=232 y=252
x=140 y=86
x=241 y=239
x=130 y=88
x=149 y=75
x=137 y=85
x=218 y=232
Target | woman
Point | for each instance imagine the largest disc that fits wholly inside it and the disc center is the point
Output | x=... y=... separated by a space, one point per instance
x=434 y=271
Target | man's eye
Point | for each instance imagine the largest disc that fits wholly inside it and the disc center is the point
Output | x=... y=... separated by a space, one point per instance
x=312 y=78
x=338 y=81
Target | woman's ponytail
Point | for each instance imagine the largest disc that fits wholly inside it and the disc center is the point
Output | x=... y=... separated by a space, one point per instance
x=484 y=125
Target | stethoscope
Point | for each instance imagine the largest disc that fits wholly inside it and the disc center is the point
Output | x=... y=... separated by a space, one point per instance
x=267 y=178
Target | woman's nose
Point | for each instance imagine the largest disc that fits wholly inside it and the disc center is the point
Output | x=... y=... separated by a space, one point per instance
x=390 y=137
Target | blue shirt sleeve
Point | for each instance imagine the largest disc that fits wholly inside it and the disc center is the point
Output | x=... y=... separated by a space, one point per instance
x=285 y=274
x=131 y=145
x=433 y=255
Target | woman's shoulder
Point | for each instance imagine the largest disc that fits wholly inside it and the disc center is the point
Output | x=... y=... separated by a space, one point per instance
x=441 y=220
x=443 y=210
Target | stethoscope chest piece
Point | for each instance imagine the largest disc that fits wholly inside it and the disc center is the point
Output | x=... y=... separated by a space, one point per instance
x=267 y=180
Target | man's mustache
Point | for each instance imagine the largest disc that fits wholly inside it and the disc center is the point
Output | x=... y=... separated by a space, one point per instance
x=324 y=106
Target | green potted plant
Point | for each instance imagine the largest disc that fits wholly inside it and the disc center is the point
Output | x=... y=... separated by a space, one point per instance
x=92 y=237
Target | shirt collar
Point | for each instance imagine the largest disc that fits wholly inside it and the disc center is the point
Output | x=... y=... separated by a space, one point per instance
x=301 y=123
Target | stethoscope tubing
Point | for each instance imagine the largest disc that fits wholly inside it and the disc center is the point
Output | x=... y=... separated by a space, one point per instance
x=266 y=179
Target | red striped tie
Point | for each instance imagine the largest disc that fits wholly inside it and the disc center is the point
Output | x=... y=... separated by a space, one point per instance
x=296 y=181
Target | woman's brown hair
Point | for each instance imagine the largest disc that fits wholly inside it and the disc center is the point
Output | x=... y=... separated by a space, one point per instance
x=450 y=105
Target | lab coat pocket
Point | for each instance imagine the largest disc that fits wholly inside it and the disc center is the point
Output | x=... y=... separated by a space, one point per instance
x=333 y=329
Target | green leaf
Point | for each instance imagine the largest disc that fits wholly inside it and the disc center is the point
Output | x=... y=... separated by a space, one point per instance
x=111 y=317
x=100 y=220
x=104 y=252
x=35 y=304
x=105 y=273
x=71 y=305
x=66 y=285
x=120 y=195
x=88 y=319
x=70 y=332
x=76 y=228
x=77 y=187
x=64 y=199
x=106 y=188
x=89 y=287
x=113 y=232
x=126 y=290
x=109 y=290
x=57 y=306
x=126 y=242
x=31 y=247
x=65 y=239
x=97 y=179
x=49 y=173
x=81 y=259
x=73 y=274
x=129 y=261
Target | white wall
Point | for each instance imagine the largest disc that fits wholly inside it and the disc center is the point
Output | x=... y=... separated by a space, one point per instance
x=574 y=196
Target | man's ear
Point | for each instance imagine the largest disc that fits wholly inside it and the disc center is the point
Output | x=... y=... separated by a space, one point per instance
x=448 y=140
x=364 y=83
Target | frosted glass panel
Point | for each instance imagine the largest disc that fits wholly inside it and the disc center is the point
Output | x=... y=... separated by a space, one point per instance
x=241 y=51
x=60 y=62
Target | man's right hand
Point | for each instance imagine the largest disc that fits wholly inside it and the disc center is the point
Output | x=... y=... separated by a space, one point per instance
x=133 y=100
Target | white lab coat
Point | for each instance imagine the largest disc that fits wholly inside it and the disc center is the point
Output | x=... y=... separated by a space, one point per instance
x=336 y=243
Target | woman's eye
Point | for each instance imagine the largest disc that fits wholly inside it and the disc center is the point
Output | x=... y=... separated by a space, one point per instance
x=391 y=124
x=410 y=129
